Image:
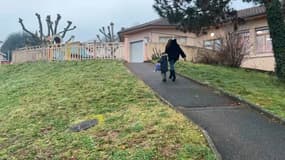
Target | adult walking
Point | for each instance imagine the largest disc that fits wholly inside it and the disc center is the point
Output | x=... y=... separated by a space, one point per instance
x=173 y=51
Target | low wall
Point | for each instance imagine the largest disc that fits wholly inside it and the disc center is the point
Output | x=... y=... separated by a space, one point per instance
x=21 y=56
x=260 y=62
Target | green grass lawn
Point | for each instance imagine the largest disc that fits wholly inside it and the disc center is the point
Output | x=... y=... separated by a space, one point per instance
x=40 y=101
x=256 y=87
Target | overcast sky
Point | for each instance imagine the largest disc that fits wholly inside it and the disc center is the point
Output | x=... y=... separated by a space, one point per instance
x=87 y=15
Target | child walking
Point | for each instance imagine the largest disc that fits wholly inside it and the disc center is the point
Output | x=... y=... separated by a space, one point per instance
x=163 y=66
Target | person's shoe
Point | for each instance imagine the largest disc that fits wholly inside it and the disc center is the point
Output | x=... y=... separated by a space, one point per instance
x=163 y=80
x=170 y=75
x=173 y=76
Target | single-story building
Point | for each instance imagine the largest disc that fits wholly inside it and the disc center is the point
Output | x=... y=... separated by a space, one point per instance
x=255 y=30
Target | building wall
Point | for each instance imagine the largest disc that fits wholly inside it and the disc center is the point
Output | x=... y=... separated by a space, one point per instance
x=262 y=61
x=250 y=26
x=156 y=34
x=135 y=37
x=153 y=36
x=192 y=53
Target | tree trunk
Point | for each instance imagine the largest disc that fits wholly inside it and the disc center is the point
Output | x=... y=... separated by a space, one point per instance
x=277 y=32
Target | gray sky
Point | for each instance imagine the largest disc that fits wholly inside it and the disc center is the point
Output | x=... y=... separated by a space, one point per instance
x=87 y=15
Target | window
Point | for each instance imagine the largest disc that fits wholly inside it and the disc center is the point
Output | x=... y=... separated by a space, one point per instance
x=180 y=40
x=208 y=44
x=214 y=44
x=146 y=39
x=164 y=39
x=263 y=41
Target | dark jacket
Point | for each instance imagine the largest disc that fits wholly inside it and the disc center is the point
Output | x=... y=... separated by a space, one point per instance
x=163 y=63
x=173 y=51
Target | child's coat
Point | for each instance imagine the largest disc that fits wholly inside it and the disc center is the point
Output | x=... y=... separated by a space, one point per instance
x=163 y=63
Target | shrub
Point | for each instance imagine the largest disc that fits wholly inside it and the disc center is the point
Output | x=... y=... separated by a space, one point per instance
x=232 y=52
x=207 y=56
x=156 y=54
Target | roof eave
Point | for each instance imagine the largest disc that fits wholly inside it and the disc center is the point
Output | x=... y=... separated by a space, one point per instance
x=131 y=31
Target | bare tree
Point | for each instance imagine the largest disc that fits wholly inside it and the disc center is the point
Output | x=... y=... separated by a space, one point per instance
x=108 y=35
x=52 y=31
x=234 y=49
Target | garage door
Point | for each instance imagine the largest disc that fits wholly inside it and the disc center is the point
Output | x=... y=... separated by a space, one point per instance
x=137 y=52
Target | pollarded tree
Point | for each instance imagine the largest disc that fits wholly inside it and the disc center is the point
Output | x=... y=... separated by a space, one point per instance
x=108 y=35
x=53 y=34
x=195 y=15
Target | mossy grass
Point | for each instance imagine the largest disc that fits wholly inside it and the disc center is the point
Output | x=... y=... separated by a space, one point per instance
x=40 y=101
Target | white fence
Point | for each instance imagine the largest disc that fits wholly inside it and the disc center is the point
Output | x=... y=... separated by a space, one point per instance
x=69 y=52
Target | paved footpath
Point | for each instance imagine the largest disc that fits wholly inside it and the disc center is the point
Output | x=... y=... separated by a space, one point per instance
x=238 y=132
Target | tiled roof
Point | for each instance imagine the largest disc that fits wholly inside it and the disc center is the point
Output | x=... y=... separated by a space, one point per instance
x=251 y=12
x=244 y=13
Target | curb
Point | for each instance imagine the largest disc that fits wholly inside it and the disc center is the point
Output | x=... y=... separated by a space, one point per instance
x=205 y=133
x=255 y=107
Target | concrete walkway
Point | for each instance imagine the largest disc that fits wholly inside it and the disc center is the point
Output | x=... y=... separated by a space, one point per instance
x=238 y=132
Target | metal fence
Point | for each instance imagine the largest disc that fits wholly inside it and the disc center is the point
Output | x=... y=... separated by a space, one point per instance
x=69 y=52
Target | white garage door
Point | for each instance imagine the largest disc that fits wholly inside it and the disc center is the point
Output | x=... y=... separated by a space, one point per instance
x=137 y=52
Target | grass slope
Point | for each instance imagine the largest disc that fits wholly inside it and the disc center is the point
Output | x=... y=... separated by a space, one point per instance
x=40 y=101
x=260 y=88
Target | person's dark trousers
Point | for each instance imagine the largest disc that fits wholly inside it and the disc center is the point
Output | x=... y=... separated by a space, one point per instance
x=172 y=70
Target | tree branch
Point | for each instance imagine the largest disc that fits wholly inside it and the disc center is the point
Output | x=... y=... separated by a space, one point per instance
x=66 y=29
x=27 y=31
x=73 y=28
x=99 y=38
x=49 y=25
x=51 y=30
x=112 y=31
x=40 y=26
x=72 y=37
x=56 y=23
x=48 y=21
x=109 y=34
x=103 y=31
